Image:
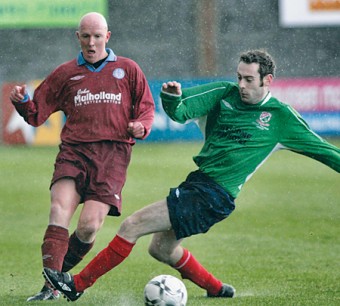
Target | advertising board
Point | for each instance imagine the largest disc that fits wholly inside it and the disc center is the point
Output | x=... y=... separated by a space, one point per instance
x=317 y=100
x=47 y=14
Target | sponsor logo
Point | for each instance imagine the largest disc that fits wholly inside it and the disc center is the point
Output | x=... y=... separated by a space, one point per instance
x=263 y=122
x=234 y=134
x=227 y=104
x=64 y=287
x=77 y=77
x=177 y=193
x=85 y=97
x=118 y=73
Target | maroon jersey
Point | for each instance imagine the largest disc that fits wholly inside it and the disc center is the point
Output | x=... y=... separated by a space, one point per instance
x=98 y=102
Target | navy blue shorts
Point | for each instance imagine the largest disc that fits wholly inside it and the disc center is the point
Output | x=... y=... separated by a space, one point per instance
x=197 y=204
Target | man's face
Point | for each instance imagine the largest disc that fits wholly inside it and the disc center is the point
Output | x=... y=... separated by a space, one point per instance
x=93 y=38
x=252 y=89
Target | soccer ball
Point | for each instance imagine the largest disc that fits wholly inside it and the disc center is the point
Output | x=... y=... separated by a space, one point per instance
x=165 y=290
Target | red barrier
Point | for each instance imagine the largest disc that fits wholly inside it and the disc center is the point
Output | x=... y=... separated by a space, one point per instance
x=309 y=95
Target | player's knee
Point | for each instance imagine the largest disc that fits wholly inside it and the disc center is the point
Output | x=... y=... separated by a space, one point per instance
x=87 y=230
x=129 y=224
x=130 y=228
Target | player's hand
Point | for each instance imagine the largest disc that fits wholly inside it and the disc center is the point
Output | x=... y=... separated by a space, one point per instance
x=136 y=129
x=172 y=87
x=18 y=93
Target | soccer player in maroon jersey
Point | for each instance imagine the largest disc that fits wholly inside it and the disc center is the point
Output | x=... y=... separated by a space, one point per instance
x=108 y=104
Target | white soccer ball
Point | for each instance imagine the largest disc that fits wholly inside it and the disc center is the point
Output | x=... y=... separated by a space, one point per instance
x=165 y=290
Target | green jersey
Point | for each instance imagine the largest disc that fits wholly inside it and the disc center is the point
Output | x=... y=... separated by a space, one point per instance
x=239 y=137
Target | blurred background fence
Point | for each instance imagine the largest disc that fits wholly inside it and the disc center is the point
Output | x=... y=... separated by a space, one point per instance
x=193 y=41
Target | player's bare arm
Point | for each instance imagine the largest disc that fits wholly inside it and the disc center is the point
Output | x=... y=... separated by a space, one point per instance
x=172 y=87
x=18 y=93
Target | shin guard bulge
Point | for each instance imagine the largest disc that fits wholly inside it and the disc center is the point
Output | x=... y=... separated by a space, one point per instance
x=76 y=252
x=191 y=269
x=110 y=257
x=54 y=247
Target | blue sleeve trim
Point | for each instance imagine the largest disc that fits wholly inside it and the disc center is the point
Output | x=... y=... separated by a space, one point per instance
x=25 y=99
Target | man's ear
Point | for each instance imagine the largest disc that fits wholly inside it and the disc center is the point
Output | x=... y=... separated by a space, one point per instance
x=268 y=79
x=108 y=35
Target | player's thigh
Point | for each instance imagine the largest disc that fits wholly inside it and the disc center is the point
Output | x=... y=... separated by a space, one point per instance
x=91 y=219
x=150 y=219
x=64 y=202
x=94 y=210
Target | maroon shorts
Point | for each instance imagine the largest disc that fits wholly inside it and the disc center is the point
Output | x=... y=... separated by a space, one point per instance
x=98 y=168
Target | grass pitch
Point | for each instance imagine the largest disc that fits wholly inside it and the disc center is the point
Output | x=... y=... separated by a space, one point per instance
x=281 y=246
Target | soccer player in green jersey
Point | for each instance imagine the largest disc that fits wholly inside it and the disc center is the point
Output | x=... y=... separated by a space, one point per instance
x=243 y=125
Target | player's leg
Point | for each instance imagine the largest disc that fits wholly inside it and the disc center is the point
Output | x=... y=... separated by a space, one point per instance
x=90 y=221
x=104 y=183
x=193 y=208
x=150 y=219
x=64 y=201
x=166 y=248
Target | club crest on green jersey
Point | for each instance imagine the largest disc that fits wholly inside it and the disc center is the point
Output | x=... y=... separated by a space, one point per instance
x=263 y=121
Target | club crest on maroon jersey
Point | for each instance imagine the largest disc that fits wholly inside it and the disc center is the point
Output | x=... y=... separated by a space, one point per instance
x=118 y=73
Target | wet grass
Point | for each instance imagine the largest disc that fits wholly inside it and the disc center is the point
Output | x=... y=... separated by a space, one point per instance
x=280 y=247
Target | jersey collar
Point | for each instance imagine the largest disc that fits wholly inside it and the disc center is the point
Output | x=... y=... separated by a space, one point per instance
x=266 y=98
x=110 y=58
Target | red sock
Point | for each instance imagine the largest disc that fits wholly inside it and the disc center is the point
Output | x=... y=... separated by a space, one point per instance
x=191 y=269
x=117 y=250
x=54 y=247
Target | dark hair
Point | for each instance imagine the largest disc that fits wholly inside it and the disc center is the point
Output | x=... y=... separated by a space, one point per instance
x=263 y=58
